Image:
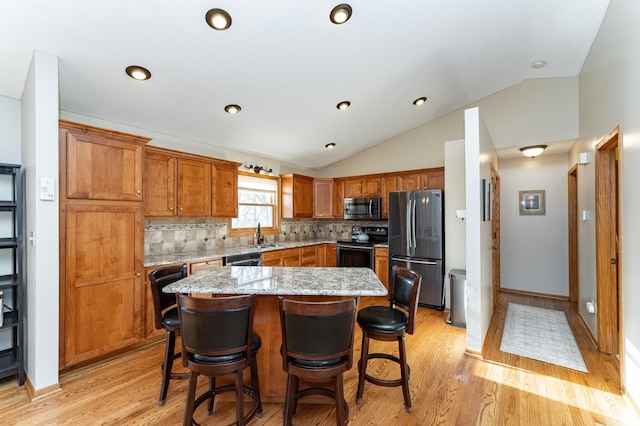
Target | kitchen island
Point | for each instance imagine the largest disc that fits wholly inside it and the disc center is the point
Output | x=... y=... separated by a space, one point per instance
x=267 y=283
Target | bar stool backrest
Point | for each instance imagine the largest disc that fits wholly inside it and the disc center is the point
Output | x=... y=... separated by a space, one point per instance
x=404 y=289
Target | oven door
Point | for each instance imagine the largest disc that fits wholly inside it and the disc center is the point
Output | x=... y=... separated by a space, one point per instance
x=355 y=255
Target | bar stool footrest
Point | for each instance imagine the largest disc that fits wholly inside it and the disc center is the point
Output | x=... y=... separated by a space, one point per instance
x=228 y=388
x=385 y=382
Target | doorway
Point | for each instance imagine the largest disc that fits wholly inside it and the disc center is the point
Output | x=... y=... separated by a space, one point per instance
x=608 y=246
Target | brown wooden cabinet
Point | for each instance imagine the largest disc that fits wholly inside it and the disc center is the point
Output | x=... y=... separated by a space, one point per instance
x=102 y=242
x=194 y=188
x=196 y=267
x=353 y=187
x=224 y=189
x=389 y=184
x=409 y=181
x=372 y=186
x=308 y=256
x=179 y=184
x=297 y=196
x=101 y=164
x=159 y=184
x=322 y=198
x=382 y=264
x=433 y=178
x=332 y=258
x=284 y=257
x=321 y=255
x=338 y=198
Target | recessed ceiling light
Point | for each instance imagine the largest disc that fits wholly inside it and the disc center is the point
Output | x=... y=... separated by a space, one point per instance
x=420 y=101
x=330 y=145
x=538 y=64
x=232 y=109
x=218 y=19
x=343 y=105
x=138 y=73
x=340 y=14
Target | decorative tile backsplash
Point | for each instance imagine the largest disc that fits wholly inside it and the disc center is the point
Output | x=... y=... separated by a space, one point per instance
x=180 y=235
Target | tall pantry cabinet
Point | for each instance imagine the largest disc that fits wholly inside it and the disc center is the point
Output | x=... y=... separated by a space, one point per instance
x=101 y=241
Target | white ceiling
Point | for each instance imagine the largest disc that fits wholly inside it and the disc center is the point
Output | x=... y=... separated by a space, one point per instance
x=288 y=66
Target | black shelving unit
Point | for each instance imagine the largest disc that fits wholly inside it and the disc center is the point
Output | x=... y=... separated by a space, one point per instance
x=12 y=284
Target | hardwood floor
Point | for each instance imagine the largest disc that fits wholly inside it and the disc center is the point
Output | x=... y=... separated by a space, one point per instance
x=448 y=387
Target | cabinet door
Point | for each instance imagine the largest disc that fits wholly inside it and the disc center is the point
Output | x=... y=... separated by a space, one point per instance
x=291 y=257
x=382 y=265
x=103 y=285
x=194 y=188
x=99 y=167
x=332 y=258
x=389 y=184
x=433 y=179
x=308 y=256
x=272 y=258
x=409 y=182
x=372 y=187
x=303 y=196
x=159 y=184
x=338 y=198
x=353 y=188
x=224 y=190
x=321 y=255
x=323 y=198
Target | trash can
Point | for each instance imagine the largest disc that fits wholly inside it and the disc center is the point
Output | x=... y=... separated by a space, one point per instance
x=457 y=311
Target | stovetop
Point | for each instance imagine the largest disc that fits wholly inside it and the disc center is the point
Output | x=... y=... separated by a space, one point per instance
x=377 y=235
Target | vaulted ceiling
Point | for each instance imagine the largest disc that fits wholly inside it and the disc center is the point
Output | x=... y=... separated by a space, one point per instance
x=288 y=66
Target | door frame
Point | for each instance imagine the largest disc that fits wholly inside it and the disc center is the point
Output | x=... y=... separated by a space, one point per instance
x=608 y=243
x=495 y=234
x=574 y=260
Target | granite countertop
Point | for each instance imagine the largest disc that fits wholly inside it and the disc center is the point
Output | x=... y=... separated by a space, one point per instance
x=282 y=281
x=188 y=257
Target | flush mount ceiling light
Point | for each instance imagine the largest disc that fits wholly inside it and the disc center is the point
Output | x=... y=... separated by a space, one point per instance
x=232 y=109
x=218 y=19
x=532 y=151
x=538 y=64
x=343 y=105
x=330 y=145
x=137 y=72
x=340 y=14
x=420 y=101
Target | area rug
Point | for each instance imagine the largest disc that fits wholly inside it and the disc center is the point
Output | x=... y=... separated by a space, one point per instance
x=541 y=334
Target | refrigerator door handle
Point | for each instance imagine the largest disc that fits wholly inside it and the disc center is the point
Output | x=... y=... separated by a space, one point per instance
x=420 y=262
x=413 y=225
x=408 y=227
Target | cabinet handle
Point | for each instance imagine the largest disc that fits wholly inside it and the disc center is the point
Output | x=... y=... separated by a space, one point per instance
x=139 y=191
x=138 y=274
x=170 y=209
x=181 y=209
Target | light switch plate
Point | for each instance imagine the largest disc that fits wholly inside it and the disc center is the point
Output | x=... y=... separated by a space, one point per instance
x=47 y=188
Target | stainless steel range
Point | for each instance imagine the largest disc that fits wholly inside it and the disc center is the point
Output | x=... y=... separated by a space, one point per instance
x=359 y=251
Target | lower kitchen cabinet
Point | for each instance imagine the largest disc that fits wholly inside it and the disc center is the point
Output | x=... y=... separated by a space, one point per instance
x=382 y=264
x=308 y=256
x=332 y=256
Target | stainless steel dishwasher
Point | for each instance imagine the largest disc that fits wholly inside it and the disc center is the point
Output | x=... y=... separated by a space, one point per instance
x=245 y=259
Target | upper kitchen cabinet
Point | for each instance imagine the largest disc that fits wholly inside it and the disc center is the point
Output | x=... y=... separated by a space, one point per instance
x=389 y=184
x=421 y=179
x=159 y=183
x=338 y=198
x=224 y=189
x=180 y=184
x=297 y=196
x=323 y=198
x=102 y=164
x=367 y=186
x=194 y=188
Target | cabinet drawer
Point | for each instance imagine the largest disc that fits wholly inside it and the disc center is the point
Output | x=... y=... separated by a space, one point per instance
x=203 y=266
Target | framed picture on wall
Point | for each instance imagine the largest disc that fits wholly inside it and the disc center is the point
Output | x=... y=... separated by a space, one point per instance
x=532 y=202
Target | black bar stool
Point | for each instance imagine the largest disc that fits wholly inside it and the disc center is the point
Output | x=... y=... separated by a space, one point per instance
x=387 y=323
x=166 y=317
x=317 y=346
x=218 y=340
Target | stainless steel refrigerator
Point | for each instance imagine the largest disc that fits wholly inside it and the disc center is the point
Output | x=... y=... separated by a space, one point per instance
x=416 y=240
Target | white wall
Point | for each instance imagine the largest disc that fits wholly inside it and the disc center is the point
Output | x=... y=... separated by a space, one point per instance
x=10 y=130
x=39 y=154
x=534 y=250
x=479 y=155
x=609 y=88
x=454 y=199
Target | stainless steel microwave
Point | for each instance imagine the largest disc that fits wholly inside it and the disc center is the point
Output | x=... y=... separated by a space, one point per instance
x=362 y=208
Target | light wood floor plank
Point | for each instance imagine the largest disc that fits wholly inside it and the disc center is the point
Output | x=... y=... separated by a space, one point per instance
x=448 y=386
